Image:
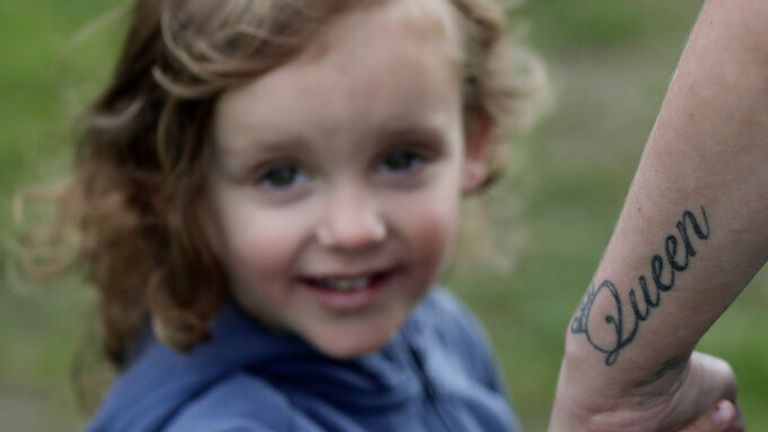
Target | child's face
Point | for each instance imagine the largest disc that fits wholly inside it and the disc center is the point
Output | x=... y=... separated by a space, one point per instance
x=337 y=178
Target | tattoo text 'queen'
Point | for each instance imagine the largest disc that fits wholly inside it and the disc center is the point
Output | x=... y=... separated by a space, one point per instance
x=679 y=248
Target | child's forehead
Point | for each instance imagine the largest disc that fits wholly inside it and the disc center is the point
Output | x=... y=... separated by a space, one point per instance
x=422 y=19
x=412 y=75
x=435 y=18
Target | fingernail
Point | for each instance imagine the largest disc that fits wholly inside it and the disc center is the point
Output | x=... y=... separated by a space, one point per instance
x=722 y=414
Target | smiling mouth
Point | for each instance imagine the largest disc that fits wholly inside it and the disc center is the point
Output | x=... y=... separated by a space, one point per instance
x=348 y=283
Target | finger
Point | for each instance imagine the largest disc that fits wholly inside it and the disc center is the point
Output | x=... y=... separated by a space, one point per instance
x=738 y=423
x=720 y=382
x=720 y=417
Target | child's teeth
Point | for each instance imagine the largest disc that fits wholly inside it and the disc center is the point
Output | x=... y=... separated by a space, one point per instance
x=348 y=284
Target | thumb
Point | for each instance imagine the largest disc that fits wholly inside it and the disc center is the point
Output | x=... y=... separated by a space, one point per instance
x=718 y=418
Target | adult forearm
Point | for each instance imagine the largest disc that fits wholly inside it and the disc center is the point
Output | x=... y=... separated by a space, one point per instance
x=694 y=228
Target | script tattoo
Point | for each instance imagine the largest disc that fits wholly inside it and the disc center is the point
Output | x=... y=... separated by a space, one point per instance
x=625 y=314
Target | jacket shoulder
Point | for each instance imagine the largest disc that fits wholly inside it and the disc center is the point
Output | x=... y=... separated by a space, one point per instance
x=458 y=330
x=239 y=403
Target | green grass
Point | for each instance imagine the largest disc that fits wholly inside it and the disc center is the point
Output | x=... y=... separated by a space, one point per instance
x=45 y=77
x=610 y=61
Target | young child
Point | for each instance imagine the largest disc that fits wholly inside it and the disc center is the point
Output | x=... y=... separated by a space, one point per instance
x=267 y=192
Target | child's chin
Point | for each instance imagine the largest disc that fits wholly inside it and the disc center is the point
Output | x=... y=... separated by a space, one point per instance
x=346 y=347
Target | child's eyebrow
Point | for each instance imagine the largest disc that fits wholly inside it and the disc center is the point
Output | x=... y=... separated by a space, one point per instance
x=419 y=132
x=426 y=127
x=241 y=155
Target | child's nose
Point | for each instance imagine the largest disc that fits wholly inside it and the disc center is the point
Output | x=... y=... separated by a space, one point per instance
x=352 y=221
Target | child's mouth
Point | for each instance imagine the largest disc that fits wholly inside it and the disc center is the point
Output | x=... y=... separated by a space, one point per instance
x=344 y=284
x=348 y=283
x=348 y=292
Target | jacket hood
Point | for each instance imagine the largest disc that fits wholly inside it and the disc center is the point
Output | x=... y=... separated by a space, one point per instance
x=160 y=381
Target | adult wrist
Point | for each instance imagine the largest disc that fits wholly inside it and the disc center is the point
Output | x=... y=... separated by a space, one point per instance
x=604 y=387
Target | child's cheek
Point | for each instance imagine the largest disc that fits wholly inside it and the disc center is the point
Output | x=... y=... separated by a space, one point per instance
x=269 y=243
x=262 y=245
x=429 y=227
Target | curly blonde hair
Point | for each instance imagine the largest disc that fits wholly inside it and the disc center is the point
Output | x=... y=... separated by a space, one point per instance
x=137 y=196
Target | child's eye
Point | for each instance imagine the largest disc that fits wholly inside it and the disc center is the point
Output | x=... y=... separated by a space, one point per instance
x=285 y=176
x=402 y=161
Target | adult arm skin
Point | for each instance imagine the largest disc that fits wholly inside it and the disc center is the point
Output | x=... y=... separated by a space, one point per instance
x=692 y=233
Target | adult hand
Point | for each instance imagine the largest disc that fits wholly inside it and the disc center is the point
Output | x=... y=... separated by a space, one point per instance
x=706 y=379
x=722 y=417
x=700 y=395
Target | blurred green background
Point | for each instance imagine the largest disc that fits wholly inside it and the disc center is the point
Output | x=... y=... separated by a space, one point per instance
x=610 y=63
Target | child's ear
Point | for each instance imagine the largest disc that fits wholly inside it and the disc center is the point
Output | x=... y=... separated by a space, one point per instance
x=477 y=136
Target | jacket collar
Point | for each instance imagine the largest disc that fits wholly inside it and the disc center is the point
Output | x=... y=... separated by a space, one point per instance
x=160 y=380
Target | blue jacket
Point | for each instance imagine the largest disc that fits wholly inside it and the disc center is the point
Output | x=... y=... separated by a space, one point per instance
x=437 y=374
